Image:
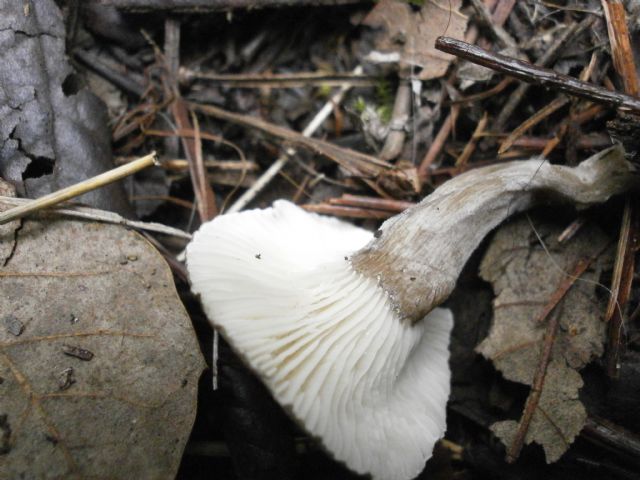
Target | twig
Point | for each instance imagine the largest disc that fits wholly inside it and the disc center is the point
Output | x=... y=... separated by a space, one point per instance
x=498 y=32
x=301 y=190
x=177 y=267
x=453 y=171
x=620 y=44
x=355 y=162
x=534 y=74
x=165 y=198
x=570 y=124
x=97 y=215
x=130 y=82
x=172 y=48
x=620 y=288
x=348 y=212
x=192 y=133
x=537 y=385
x=179 y=164
x=205 y=197
x=502 y=11
x=137 y=118
x=470 y=147
x=259 y=184
x=397 y=134
x=476 y=97
x=348 y=200
x=545 y=60
x=533 y=120
x=592 y=141
x=276 y=166
x=575 y=119
x=278 y=80
x=438 y=142
x=79 y=188
x=573 y=228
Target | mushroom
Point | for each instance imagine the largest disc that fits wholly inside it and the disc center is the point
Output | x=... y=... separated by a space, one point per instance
x=341 y=324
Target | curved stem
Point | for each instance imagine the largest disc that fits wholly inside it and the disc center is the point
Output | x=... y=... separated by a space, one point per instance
x=419 y=254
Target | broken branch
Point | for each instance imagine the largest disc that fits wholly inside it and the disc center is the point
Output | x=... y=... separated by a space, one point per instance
x=534 y=74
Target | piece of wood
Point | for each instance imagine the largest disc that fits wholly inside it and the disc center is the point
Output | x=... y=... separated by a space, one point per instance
x=539 y=75
x=619 y=39
x=279 y=80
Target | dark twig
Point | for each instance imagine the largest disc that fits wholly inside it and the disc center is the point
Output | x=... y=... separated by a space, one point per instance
x=538 y=75
x=129 y=82
x=545 y=60
x=560 y=101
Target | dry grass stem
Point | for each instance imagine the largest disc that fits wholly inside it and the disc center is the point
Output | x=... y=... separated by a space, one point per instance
x=78 y=189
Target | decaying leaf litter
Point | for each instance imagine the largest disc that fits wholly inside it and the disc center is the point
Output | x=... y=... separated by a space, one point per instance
x=399 y=130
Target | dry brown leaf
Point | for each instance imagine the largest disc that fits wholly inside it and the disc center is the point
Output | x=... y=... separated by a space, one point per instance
x=524 y=278
x=560 y=415
x=412 y=33
x=98 y=359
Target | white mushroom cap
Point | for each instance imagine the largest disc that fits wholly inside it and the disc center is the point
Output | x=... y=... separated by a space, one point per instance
x=323 y=338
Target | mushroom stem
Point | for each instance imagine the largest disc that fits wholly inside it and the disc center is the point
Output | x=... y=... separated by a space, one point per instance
x=417 y=256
